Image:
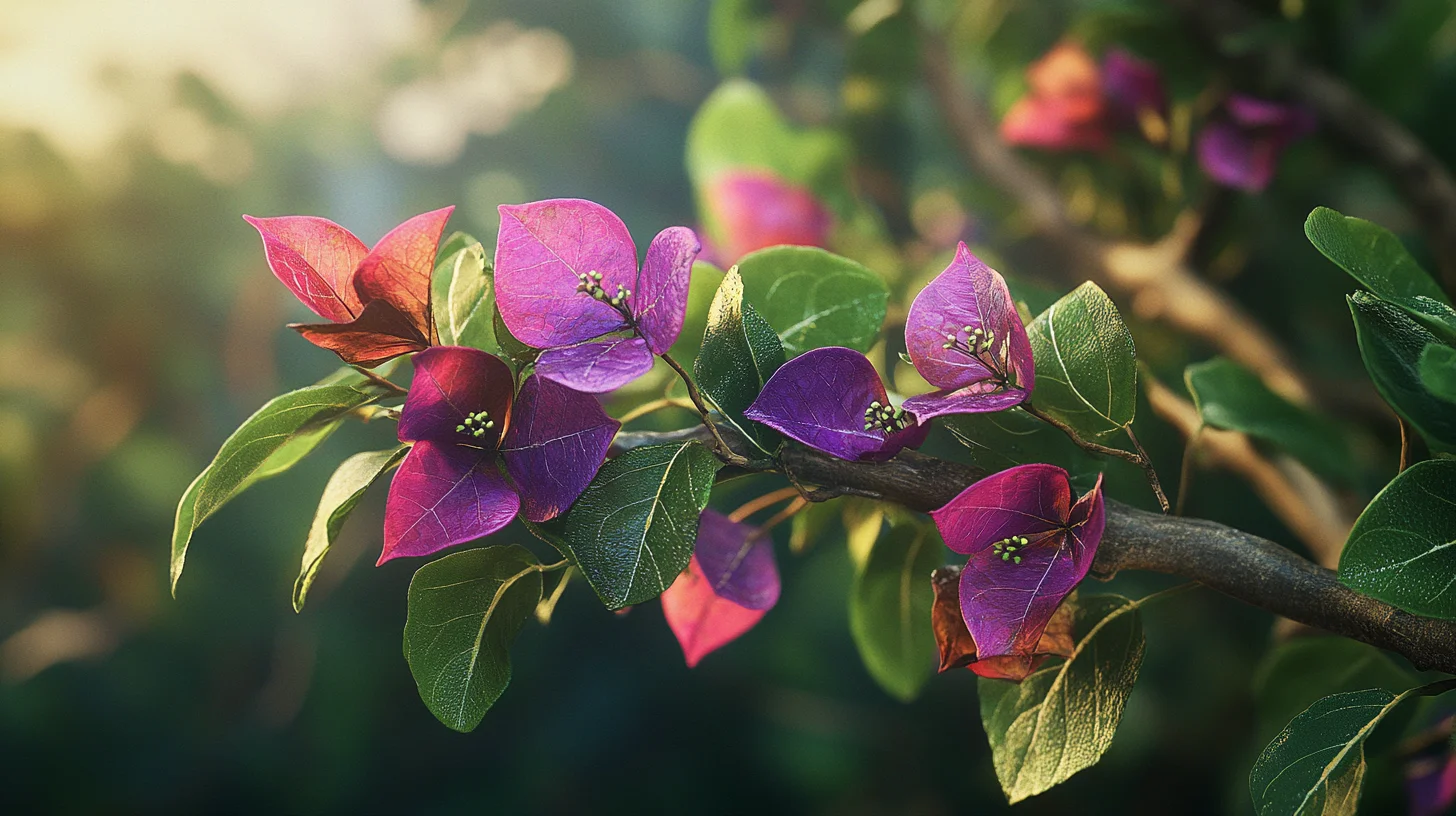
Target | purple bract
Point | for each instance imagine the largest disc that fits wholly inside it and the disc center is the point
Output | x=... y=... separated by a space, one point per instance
x=965 y=337
x=731 y=582
x=1134 y=90
x=1241 y=147
x=831 y=399
x=461 y=418
x=566 y=274
x=1029 y=547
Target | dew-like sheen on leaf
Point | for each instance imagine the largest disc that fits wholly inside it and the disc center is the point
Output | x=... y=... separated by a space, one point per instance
x=740 y=353
x=1391 y=343
x=464 y=611
x=814 y=298
x=1402 y=549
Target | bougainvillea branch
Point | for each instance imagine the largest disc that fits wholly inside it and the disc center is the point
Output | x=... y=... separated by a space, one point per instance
x=1241 y=565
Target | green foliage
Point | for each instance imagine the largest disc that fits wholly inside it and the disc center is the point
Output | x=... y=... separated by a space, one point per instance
x=889 y=605
x=814 y=298
x=1391 y=343
x=1297 y=672
x=702 y=289
x=1438 y=371
x=1061 y=719
x=633 y=529
x=341 y=494
x=517 y=352
x=469 y=307
x=269 y=442
x=740 y=352
x=1231 y=397
x=1086 y=367
x=1003 y=439
x=464 y=612
x=1402 y=549
x=734 y=29
x=1373 y=256
x=1316 y=765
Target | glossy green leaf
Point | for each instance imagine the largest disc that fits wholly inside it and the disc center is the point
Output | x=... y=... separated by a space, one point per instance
x=1316 y=765
x=1297 y=672
x=1003 y=439
x=1438 y=371
x=464 y=611
x=269 y=442
x=443 y=276
x=1086 y=368
x=1402 y=549
x=470 y=299
x=814 y=298
x=633 y=529
x=889 y=607
x=740 y=352
x=341 y=494
x=1231 y=397
x=518 y=353
x=1373 y=256
x=1061 y=719
x=702 y=289
x=1391 y=343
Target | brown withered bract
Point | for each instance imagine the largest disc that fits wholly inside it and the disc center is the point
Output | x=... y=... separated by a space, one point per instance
x=958 y=648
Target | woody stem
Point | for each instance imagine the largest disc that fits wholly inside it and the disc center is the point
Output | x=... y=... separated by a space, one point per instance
x=380 y=381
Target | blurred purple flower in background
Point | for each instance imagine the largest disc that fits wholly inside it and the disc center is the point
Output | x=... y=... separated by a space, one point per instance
x=1241 y=145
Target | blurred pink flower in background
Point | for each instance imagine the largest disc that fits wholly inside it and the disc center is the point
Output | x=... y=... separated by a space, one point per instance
x=756 y=209
x=1241 y=145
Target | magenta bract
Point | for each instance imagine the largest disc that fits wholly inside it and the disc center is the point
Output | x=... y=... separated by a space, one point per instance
x=566 y=273
x=1133 y=87
x=377 y=300
x=459 y=415
x=1241 y=147
x=755 y=209
x=832 y=400
x=731 y=582
x=1029 y=547
x=965 y=337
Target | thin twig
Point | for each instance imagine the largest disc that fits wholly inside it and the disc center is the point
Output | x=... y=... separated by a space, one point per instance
x=1185 y=470
x=790 y=510
x=723 y=449
x=1404 y=445
x=766 y=500
x=380 y=381
x=1140 y=458
x=656 y=405
x=1147 y=465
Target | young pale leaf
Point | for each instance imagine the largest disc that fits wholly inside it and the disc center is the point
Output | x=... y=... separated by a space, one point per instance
x=1231 y=397
x=1377 y=259
x=1391 y=344
x=1086 y=368
x=633 y=529
x=1297 y=672
x=1402 y=549
x=1438 y=371
x=442 y=277
x=1316 y=765
x=269 y=442
x=814 y=298
x=470 y=300
x=889 y=607
x=342 y=492
x=1061 y=719
x=464 y=611
x=740 y=352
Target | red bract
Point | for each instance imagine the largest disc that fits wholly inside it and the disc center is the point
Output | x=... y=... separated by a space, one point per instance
x=566 y=276
x=1029 y=547
x=965 y=337
x=461 y=418
x=1065 y=106
x=377 y=299
x=831 y=399
x=729 y=585
x=755 y=209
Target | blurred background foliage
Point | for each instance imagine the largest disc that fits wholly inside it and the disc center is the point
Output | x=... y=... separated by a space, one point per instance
x=139 y=325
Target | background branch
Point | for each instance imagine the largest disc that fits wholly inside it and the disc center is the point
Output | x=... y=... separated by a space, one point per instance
x=1241 y=565
x=1420 y=177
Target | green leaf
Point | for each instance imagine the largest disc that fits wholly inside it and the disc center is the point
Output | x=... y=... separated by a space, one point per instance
x=1316 y=765
x=464 y=612
x=1297 y=672
x=1061 y=719
x=1003 y=439
x=815 y=298
x=632 y=531
x=1231 y=397
x=518 y=353
x=735 y=28
x=1086 y=368
x=269 y=442
x=740 y=352
x=470 y=299
x=702 y=289
x=1373 y=256
x=1391 y=344
x=341 y=494
x=1402 y=549
x=889 y=607
x=1438 y=371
